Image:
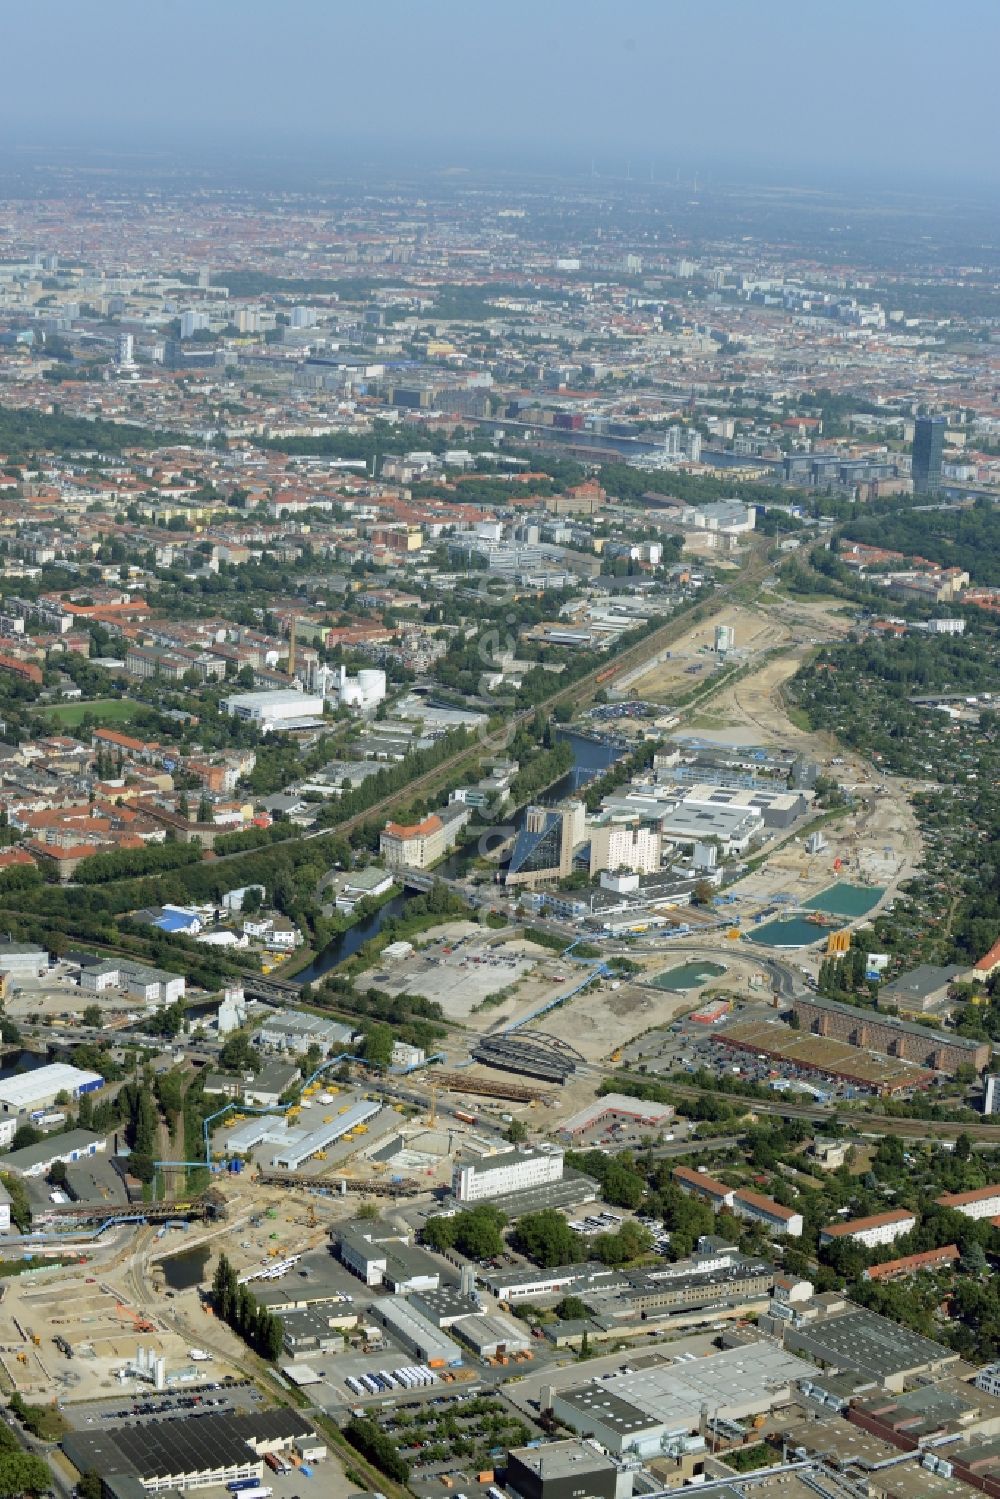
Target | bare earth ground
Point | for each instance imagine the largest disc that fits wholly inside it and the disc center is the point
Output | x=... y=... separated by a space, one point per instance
x=669 y=677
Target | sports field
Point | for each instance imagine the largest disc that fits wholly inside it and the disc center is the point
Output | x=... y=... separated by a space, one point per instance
x=106 y=710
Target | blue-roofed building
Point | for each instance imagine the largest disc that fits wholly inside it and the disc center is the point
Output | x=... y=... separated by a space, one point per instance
x=177 y=919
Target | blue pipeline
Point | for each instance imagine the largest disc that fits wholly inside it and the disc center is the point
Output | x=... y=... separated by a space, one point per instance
x=601 y=970
x=344 y=1056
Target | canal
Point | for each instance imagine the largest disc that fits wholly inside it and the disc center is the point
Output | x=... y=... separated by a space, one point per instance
x=590 y=759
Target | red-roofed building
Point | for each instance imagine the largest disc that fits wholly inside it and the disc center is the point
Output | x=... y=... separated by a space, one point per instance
x=988 y=964
x=421 y=844
x=930 y=1259
x=700 y=1184
x=879 y=1228
x=24 y=669
x=776 y=1218
x=125 y=746
x=14 y=858
x=981 y=1202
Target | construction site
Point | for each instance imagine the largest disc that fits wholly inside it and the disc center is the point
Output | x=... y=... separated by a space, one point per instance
x=71 y=1335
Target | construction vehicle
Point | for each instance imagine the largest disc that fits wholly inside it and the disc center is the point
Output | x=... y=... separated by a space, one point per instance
x=327 y=1118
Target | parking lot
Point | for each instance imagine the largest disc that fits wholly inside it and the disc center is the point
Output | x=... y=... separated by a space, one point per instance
x=455 y=1437
x=688 y=1047
x=136 y=1406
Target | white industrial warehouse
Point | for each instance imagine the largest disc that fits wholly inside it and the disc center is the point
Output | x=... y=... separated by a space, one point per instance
x=280 y=708
x=415 y=1331
x=293 y=1156
x=39 y=1089
x=639 y=1411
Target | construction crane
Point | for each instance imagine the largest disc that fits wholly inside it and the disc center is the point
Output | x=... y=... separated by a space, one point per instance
x=139 y=1323
x=432 y=1116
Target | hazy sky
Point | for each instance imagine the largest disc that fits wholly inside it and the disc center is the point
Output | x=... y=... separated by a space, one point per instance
x=898 y=89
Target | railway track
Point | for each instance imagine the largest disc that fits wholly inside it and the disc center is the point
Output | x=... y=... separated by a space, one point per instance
x=876 y=1124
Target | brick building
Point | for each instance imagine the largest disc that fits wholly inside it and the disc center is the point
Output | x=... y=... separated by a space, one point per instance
x=893 y=1038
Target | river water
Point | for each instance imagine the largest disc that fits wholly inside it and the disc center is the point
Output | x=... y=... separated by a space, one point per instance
x=589 y=760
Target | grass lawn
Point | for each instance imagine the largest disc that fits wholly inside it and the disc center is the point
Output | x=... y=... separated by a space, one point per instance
x=103 y=709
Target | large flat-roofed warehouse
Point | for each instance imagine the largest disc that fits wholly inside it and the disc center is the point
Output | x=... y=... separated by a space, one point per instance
x=415 y=1332
x=779 y=808
x=39 y=1089
x=635 y=1412
x=381 y=1256
x=23 y=960
x=184 y=1454
x=851 y=1338
x=522 y=1284
x=37 y=1160
x=837 y=1059
x=293 y=1156
x=617 y=1108
x=920 y=989
x=490 y=1336
x=281 y=708
x=896 y=1038
x=295 y=1030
